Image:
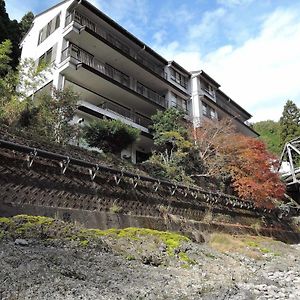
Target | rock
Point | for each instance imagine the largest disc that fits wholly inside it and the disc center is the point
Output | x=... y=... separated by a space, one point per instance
x=162 y=248
x=21 y=242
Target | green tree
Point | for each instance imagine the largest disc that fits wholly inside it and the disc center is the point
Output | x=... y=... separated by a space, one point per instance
x=50 y=116
x=110 y=135
x=4 y=22
x=26 y=23
x=14 y=31
x=165 y=121
x=289 y=122
x=17 y=86
x=169 y=158
x=5 y=51
x=270 y=133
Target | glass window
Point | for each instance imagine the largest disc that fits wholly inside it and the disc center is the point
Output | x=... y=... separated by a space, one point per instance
x=57 y=21
x=204 y=108
x=48 y=31
x=179 y=78
x=40 y=36
x=209 y=111
x=48 y=56
x=179 y=103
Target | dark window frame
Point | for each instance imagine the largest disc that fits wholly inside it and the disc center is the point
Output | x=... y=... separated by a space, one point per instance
x=179 y=78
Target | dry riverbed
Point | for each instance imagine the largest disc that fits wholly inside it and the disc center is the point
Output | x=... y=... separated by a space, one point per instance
x=42 y=258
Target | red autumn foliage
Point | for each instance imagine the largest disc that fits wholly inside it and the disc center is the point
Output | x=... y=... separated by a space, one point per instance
x=251 y=167
x=253 y=170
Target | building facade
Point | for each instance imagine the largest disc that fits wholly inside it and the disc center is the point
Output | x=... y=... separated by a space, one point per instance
x=116 y=75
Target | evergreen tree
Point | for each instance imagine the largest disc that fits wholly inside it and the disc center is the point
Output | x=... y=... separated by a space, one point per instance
x=289 y=122
x=25 y=23
x=13 y=31
x=4 y=22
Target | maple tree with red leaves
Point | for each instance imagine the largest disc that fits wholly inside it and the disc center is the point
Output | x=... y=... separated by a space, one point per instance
x=252 y=169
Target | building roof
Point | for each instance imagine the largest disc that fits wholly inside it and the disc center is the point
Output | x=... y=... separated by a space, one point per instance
x=58 y=4
x=179 y=67
x=234 y=103
x=230 y=114
x=210 y=79
x=114 y=24
x=121 y=29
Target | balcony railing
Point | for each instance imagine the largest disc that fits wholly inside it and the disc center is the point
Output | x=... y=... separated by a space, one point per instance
x=82 y=56
x=108 y=36
x=126 y=113
x=150 y=94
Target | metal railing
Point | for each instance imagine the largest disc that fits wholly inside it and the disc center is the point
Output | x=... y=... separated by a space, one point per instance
x=118 y=109
x=126 y=113
x=141 y=120
x=108 y=36
x=150 y=94
x=82 y=56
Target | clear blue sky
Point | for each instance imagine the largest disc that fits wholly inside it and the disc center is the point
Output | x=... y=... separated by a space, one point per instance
x=251 y=47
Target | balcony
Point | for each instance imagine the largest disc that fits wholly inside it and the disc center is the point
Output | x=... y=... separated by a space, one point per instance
x=126 y=113
x=81 y=56
x=83 y=20
x=115 y=111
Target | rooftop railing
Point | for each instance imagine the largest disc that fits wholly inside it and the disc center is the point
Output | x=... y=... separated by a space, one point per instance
x=84 y=57
x=111 y=38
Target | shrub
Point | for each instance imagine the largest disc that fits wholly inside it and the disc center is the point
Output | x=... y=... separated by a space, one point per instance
x=110 y=135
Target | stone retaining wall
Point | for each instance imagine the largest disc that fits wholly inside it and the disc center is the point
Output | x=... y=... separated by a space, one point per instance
x=103 y=203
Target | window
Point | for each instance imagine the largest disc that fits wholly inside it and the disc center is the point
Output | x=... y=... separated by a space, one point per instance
x=179 y=103
x=47 y=30
x=57 y=21
x=208 y=88
x=140 y=88
x=208 y=111
x=204 y=109
x=46 y=58
x=179 y=78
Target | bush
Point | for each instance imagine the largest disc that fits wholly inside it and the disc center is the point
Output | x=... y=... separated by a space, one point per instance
x=110 y=135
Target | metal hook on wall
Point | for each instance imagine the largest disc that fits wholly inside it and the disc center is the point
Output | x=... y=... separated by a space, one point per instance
x=186 y=192
x=30 y=157
x=134 y=181
x=93 y=172
x=195 y=195
x=118 y=179
x=156 y=185
x=64 y=165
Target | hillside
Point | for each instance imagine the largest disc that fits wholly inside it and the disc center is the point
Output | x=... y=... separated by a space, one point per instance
x=43 y=258
x=270 y=133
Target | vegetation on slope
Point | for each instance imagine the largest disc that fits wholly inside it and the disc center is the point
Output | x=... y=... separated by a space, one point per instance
x=150 y=246
x=270 y=133
x=276 y=134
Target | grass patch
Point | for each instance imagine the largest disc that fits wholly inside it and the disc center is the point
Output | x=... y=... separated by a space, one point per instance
x=252 y=246
x=5 y=221
x=170 y=239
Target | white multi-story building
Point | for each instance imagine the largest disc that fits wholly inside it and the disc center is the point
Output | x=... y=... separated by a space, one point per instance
x=116 y=75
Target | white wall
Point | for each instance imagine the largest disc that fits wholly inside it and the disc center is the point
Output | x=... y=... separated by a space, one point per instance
x=30 y=47
x=196 y=105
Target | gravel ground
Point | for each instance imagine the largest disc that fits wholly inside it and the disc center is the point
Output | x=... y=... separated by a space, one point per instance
x=38 y=270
